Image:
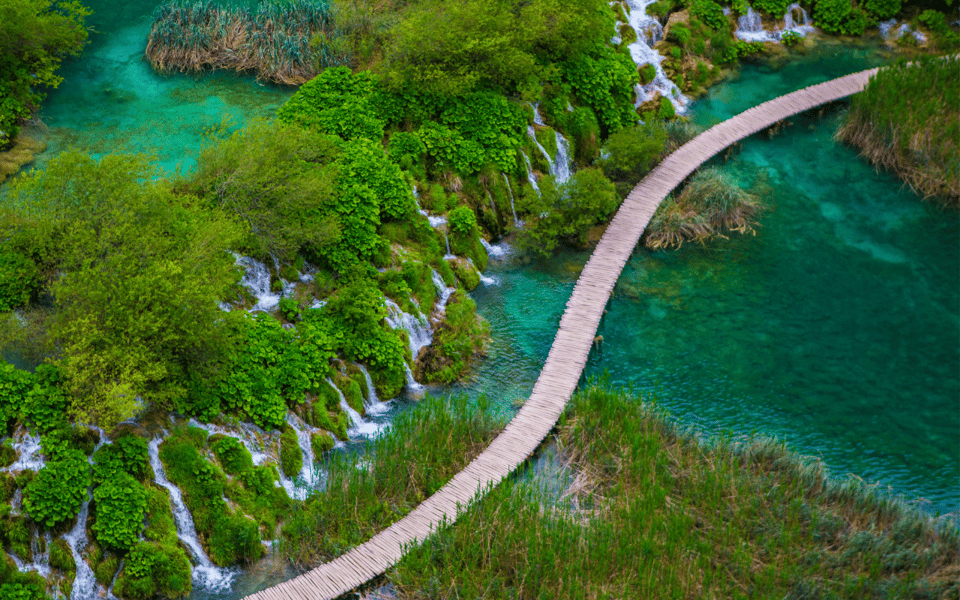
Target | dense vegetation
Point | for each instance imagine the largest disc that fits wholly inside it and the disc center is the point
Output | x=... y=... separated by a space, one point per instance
x=898 y=124
x=646 y=510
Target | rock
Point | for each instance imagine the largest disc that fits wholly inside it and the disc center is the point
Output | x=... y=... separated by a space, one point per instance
x=682 y=17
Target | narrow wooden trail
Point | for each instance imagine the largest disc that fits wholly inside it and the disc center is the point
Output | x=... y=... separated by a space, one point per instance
x=567 y=357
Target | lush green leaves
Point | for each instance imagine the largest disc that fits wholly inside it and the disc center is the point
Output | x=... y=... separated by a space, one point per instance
x=126 y=455
x=604 y=81
x=336 y=102
x=121 y=503
x=19 y=279
x=59 y=489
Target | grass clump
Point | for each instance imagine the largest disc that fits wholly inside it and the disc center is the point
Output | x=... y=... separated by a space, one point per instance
x=655 y=512
x=899 y=124
x=709 y=205
x=423 y=449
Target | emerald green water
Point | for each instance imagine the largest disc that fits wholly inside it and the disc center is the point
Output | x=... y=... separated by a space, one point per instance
x=836 y=327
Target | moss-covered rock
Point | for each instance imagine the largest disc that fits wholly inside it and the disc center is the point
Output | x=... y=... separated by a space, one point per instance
x=8 y=485
x=467 y=274
x=647 y=73
x=461 y=337
x=291 y=456
x=154 y=570
x=22 y=153
x=321 y=442
x=233 y=456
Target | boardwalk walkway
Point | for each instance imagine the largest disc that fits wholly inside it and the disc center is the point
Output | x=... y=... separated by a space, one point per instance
x=567 y=357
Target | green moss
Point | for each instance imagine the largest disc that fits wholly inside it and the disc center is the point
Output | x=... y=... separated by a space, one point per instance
x=628 y=34
x=8 y=455
x=619 y=12
x=647 y=73
x=105 y=569
x=327 y=413
x=667 y=111
x=435 y=199
x=321 y=442
x=160 y=524
x=61 y=557
x=393 y=285
x=548 y=139
x=231 y=454
x=417 y=277
x=154 y=570
x=289 y=273
x=468 y=276
x=460 y=338
x=353 y=370
x=8 y=485
x=351 y=391
x=18 y=536
x=291 y=457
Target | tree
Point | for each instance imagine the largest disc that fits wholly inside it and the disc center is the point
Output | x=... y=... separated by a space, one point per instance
x=137 y=276
x=35 y=35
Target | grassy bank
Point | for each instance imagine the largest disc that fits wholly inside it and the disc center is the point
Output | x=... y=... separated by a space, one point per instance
x=653 y=512
x=905 y=120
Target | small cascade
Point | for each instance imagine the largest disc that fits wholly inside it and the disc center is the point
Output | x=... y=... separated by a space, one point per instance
x=247 y=437
x=205 y=574
x=649 y=31
x=533 y=136
x=15 y=503
x=414 y=387
x=750 y=29
x=562 y=166
x=530 y=176
x=487 y=281
x=306 y=479
x=373 y=405
x=536 y=114
x=516 y=221
x=416 y=201
x=40 y=560
x=449 y=254
x=257 y=280
x=419 y=330
x=493 y=205
x=84 y=583
x=803 y=27
x=437 y=221
x=886 y=26
x=496 y=252
x=29 y=454
x=443 y=292
x=360 y=427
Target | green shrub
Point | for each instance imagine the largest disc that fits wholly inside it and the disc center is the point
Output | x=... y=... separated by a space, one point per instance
x=291 y=457
x=154 y=570
x=336 y=102
x=604 y=81
x=790 y=38
x=465 y=236
x=289 y=309
x=45 y=404
x=121 y=504
x=944 y=37
x=19 y=591
x=647 y=72
x=14 y=385
x=321 y=442
x=840 y=17
x=105 y=569
x=882 y=9
x=466 y=273
x=61 y=557
x=679 y=34
x=406 y=144
x=711 y=13
x=59 y=489
x=632 y=152
x=8 y=485
x=628 y=34
x=126 y=455
x=231 y=453
x=774 y=8
x=19 y=280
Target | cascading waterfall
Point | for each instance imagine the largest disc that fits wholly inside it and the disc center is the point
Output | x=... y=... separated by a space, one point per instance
x=562 y=166
x=533 y=136
x=373 y=405
x=257 y=280
x=205 y=574
x=247 y=436
x=537 y=118
x=298 y=485
x=443 y=292
x=750 y=29
x=506 y=180
x=493 y=204
x=361 y=427
x=803 y=28
x=485 y=280
x=497 y=251
x=530 y=176
x=84 y=583
x=642 y=52
x=40 y=561
x=417 y=328
x=29 y=454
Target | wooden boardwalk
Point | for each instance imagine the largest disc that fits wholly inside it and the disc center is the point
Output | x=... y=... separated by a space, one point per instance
x=567 y=357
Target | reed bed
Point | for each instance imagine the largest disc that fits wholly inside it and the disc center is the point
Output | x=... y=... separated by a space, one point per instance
x=365 y=493
x=711 y=204
x=654 y=511
x=281 y=42
x=905 y=120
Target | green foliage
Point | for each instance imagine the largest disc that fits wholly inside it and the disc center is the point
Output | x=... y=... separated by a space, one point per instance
x=840 y=17
x=19 y=591
x=19 y=280
x=14 y=385
x=711 y=13
x=632 y=152
x=35 y=35
x=45 y=404
x=604 y=81
x=131 y=312
x=404 y=144
x=61 y=557
x=461 y=337
x=774 y=8
x=57 y=442
x=462 y=220
x=450 y=150
x=882 y=9
x=790 y=38
x=8 y=485
x=582 y=126
x=321 y=442
x=58 y=490
x=232 y=455
x=465 y=236
x=121 y=503
x=126 y=455
x=336 y=102
x=492 y=122
x=291 y=457
x=679 y=34
x=648 y=73
x=467 y=274
x=944 y=37
x=568 y=212
x=275 y=179
x=154 y=570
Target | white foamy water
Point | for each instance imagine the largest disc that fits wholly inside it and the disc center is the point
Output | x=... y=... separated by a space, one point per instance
x=205 y=574
x=361 y=427
x=513 y=209
x=84 y=583
x=29 y=453
x=498 y=251
x=750 y=29
x=443 y=292
x=418 y=328
x=257 y=279
x=299 y=485
x=247 y=435
x=531 y=177
x=373 y=404
x=649 y=31
x=562 y=168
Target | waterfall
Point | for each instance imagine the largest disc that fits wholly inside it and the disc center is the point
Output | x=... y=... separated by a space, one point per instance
x=205 y=574
x=642 y=52
x=40 y=561
x=419 y=330
x=416 y=200
x=533 y=136
x=84 y=583
x=29 y=453
x=257 y=280
x=536 y=114
x=496 y=252
x=750 y=29
x=414 y=387
x=373 y=405
x=516 y=221
x=443 y=292
x=530 y=176
x=360 y=427
x=493 y=205
x=789 y=24
x=306 y=479
x=562 y=166
x=487 y=281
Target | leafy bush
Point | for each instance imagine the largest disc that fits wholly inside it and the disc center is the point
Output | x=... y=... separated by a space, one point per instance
x=679 y=34
x=19 y=280
x=632 y=152
x=121 y=504
x=336 y=102
x=490 y=120
x=406 y=144
x=790 y=38
x=465 y=236
x=19 y=591
x=154 y=570
x=604 y=81
x=461 y=337
x=231 y=453
x=321 y=442
x=774 y=8
x=882 y=9
x=944 y=37
x=567 y=212
x=449 y=149
x=462 y=220
x=840 y=17
x=45 y=405
x=59 y=489
x=647 y=72
x=14 y=385
x=126 y=455
x=711 y=13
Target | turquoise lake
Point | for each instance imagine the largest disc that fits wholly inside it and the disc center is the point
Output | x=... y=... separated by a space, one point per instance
x=835 y=328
